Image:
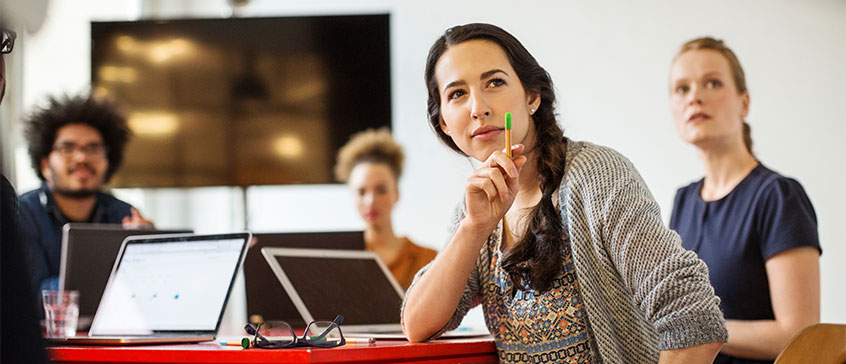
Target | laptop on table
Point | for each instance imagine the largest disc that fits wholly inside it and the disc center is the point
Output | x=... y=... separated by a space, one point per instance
x=325 y=283
x=88 y=255
x=166 y=289
x=355 y=284
x=266 y=299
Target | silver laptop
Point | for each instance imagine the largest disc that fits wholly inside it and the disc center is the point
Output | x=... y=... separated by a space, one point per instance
x=266 y=299
x=166 y=289
x=88 y=256
x=324 y=283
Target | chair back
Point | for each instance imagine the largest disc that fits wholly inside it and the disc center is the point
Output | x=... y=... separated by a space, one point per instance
x=819 y=343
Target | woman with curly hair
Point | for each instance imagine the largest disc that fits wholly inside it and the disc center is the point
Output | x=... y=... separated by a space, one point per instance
x=371 y=164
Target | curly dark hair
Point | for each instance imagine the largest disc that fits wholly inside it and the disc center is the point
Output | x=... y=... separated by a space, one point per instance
x=536 y=259
x=369 y=146
x=102 y=114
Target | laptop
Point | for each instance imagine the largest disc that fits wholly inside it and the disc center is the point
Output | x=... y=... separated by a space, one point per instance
x=355 y=284
x=325 y=283
x=88 y=255
x=166 y=289
x=266 y=299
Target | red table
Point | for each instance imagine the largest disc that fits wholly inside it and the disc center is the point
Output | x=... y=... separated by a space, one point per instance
x=478 y=350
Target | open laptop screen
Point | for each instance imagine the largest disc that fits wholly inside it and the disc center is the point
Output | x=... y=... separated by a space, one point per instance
x=353 y=284
x=88 y=256
x=266 y=299
x=168 y=286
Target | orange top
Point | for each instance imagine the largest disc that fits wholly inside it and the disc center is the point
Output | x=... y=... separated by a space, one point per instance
x=411 y=258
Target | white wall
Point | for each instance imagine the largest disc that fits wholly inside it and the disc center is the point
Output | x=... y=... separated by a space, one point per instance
x=610 y=63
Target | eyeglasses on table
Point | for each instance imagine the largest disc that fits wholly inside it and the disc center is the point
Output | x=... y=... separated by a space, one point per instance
x=280 y=334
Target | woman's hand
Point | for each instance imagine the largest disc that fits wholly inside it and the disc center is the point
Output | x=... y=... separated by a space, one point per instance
x=491 y=189
x=434 y=298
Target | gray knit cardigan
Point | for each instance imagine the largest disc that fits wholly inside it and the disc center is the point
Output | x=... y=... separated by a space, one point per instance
x=641 y=290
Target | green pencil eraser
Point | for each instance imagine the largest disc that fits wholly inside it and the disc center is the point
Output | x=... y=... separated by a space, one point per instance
x=508 y=121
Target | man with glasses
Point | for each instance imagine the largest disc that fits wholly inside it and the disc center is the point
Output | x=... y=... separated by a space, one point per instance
x=75 y=145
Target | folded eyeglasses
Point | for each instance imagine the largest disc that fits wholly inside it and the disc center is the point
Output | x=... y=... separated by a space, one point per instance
x=280 y=334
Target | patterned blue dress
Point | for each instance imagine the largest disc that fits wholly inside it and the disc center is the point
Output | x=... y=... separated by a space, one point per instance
x=533 y=327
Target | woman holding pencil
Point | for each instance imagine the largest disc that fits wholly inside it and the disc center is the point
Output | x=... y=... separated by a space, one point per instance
x=562 y=243
x=755 y=228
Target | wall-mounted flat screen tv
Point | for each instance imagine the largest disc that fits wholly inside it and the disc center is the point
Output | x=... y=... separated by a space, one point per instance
x=242 y=101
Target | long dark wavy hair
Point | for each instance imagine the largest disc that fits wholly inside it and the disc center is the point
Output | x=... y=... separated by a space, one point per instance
x=536 y=259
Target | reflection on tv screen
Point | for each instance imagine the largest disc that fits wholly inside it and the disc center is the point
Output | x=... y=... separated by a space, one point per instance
x=245 y=101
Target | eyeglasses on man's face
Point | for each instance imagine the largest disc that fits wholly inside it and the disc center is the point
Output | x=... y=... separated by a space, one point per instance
x=8 y=41
x=280 y=334
x=68 y=150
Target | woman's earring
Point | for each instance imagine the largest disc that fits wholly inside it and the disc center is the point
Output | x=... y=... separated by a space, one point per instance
x=532 y=112
x=447 y=131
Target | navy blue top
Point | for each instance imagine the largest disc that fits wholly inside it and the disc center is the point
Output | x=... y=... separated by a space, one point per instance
x=41 y=223
x=764 y=215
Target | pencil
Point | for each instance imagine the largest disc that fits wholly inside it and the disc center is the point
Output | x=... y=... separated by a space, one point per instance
x=361 y=340
x=237 y=343
x=508 y=134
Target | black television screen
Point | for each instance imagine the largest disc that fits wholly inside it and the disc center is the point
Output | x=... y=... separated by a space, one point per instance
x=242 y=101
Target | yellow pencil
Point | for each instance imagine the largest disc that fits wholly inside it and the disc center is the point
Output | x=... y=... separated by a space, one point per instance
x=508 y=134
x=244 y=343
x=361 y=340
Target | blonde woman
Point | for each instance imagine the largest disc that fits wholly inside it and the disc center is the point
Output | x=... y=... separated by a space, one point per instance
x=755 y=228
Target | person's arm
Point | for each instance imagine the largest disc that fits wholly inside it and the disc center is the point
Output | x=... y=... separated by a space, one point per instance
x=668 y=283
x=794 y=277
x=432 y=300
x=705 y=354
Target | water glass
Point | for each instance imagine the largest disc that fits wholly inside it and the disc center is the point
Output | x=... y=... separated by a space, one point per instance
x=61 y=312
